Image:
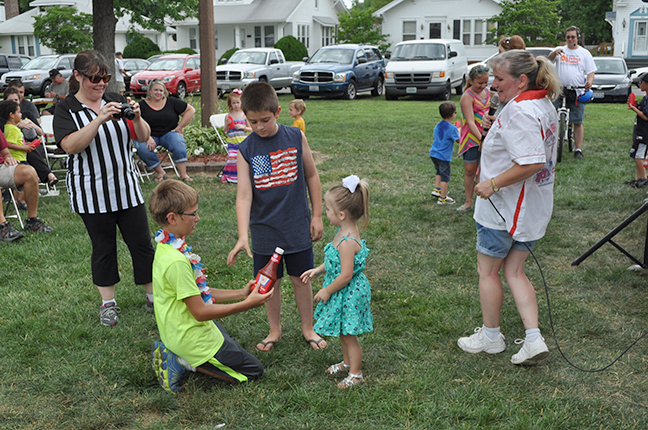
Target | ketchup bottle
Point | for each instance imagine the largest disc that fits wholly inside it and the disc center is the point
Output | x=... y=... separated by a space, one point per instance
x=268 y=275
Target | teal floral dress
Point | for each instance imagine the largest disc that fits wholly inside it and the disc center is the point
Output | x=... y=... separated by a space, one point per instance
x=348 y=310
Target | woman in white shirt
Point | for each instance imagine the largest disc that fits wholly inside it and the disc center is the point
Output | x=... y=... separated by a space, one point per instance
x=517 y=172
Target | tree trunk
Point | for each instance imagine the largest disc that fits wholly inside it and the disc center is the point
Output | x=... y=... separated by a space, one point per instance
x=208 y=93
x=103 y=34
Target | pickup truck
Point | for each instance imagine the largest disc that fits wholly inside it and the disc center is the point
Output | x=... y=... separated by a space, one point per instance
x=255 y=64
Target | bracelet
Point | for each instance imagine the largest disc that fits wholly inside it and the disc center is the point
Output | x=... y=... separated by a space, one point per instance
x=495 y=187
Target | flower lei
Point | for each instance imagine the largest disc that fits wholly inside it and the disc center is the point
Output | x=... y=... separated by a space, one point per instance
x=194 y=259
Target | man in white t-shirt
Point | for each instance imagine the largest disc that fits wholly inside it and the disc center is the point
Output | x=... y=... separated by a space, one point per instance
x=120 y=73
x=575 y=67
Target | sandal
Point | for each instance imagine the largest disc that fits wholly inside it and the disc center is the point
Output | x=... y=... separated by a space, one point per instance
x=338 y=368
x=161 y=178
x=464 y=208
x=351 y=380
x=53 y=182
x=188 y=179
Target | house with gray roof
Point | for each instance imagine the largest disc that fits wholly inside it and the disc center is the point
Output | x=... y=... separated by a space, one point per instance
x=261 y=23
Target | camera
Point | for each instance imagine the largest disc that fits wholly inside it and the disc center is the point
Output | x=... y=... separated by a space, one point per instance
x=125 y=111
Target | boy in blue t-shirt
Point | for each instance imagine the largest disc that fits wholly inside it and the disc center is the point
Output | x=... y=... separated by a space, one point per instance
x=445 y=134
x=185 y=307
x=276 y=177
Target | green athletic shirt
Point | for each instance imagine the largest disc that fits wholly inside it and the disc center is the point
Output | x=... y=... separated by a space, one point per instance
x=173 y=280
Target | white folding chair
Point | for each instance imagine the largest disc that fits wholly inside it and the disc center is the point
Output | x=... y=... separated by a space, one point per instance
x=142 y=169
x=218 y=122
x=51 y=156
x=16 y=211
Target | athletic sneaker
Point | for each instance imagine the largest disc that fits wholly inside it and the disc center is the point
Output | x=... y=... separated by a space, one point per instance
x=531 y=353
x=35 y=224
x=8 y=233
x=436 y=192
x=640 y=183
x=167 y=368
x=108 y=314
x=479 y=342
x=578 y=154
x=447 y=201
x=148 y=306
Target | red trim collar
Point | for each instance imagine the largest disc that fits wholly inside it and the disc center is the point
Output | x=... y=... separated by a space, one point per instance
x=532 y=95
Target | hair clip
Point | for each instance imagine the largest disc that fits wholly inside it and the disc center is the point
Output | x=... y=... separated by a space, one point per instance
x=237 y=91
x=350 y=183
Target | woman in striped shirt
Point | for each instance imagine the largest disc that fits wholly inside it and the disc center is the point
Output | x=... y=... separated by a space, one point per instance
x=102 y=181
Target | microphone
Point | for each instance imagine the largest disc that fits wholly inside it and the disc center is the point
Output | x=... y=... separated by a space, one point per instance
x=494 y=104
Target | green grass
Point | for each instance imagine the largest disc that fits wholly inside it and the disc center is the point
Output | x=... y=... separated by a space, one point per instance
x=61 y=370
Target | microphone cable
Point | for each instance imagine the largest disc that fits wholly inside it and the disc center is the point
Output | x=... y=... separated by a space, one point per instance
x=551 y=323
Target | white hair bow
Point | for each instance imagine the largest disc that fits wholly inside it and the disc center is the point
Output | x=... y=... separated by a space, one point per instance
x=351 y=183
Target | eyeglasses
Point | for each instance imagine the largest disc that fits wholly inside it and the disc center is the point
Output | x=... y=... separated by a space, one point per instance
x=478 y=71
x=95 y=79
x=571 y=37
x=508 y=42
x=193 y=214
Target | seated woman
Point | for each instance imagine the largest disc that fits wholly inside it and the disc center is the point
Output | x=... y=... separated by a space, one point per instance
x=167 y=118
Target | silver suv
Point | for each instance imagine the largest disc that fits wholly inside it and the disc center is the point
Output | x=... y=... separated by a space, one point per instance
x=35 y=74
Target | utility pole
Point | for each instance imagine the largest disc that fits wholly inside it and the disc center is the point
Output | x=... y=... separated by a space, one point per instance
x=208 y=92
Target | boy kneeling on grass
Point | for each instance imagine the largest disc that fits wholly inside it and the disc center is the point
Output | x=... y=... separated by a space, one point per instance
x=185 y=306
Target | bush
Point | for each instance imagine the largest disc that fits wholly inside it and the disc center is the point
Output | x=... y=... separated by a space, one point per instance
x=186 y=51
x=293 y=49
x=202 y=140
x=227 y=55
x=141 y=47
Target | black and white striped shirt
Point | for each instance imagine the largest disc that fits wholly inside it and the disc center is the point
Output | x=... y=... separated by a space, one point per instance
x=101 y=178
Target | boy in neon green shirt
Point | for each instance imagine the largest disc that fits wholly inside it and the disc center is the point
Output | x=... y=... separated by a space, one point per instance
x=185 y=306
x=10 y=112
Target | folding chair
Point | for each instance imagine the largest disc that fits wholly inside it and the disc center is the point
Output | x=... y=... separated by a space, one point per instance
x=16 y=211
x=47 y=124
x=218 y=122
x=142 y=169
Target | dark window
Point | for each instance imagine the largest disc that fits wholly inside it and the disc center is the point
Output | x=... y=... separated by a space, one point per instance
x=456 y=29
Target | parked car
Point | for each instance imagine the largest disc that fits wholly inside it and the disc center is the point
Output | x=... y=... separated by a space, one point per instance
x=132 y=66
x=255 y=64
x=537 y=51
x=341 y=71
x=35 y=74
x=11 y=62
x=636 y=74
x=430 y=67
x=179 y=72
x=612 y=80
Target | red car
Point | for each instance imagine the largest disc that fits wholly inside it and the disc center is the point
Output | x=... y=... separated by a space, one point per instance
x=179 y=72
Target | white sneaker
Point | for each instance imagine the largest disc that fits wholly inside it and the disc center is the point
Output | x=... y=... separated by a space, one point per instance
x=479 y=342
x=436 y=192
x=447 y=201
x=531 y=353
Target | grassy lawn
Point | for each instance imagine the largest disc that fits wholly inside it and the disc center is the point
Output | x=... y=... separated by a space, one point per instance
x=60 y=369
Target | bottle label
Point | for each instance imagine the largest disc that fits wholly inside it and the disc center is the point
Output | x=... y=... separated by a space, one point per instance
x=275 y=258
x=263 y=283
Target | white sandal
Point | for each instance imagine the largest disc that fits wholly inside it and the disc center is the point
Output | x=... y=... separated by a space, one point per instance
x=351 y=380
x=336 y=369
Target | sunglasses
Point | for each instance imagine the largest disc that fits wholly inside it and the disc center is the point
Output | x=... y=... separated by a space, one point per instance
x=95 y=79
x=478 y=71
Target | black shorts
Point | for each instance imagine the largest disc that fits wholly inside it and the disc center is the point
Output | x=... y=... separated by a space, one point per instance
x=296 y=263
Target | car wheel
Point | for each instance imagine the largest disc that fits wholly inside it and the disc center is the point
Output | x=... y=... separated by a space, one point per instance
x=378 y=89
x=263 y=79
x=447 y=92
x=182 y=90
x=460 y=89
x=389 y=96
x=45 y=88
x=351 y=91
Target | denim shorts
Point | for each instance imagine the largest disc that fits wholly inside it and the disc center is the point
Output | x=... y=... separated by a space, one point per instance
x=296 y=263
x=576 y=111
x=498 y=243
x=442 y=169
x=472 y=155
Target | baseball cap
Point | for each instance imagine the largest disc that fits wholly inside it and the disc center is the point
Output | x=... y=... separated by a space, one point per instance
x=54 y=73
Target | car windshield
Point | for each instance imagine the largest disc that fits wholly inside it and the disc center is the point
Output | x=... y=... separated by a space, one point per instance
x=166 y=64
x=419 y=51
x=609 y=67
x=335 y=55
x=248 y=57
x=44 y=63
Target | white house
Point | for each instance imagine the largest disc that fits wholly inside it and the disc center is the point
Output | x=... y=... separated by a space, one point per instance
x=17 y=33
x=629 y=21
x=261 y=23
x=466 y=20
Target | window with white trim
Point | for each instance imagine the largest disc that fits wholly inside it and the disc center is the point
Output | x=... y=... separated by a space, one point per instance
x=409 y=30
x=257 y=36
x=193 y=38
x=467 y=30
x=479 y=32
x=216 y=37
x=303 y=34
x=26 y=45
x=327 y=36
x=269 y=36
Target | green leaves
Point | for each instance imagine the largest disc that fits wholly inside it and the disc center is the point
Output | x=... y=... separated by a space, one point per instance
x=63 y=29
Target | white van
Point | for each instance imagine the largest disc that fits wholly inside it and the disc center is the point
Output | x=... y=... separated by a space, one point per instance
x=426 y=67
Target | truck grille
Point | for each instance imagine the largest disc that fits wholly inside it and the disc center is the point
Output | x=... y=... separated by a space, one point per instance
x=314 y=76
x=228 y=75
x=412 y=78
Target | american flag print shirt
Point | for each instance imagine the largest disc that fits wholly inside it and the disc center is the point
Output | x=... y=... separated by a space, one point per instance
x=274 y=169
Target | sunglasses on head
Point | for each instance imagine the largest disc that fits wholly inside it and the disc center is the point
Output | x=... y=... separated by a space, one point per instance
x=95 y=79
x=478 y=71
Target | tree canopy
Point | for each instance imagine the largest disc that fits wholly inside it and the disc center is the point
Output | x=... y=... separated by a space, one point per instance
x=589 y=17
x=359 y=26
x=536 y=21
x=64 y=29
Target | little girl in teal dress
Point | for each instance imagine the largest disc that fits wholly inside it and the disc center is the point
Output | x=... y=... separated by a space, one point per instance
x=344 y=301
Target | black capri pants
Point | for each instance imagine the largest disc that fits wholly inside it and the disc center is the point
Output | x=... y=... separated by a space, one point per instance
x=134 y=228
